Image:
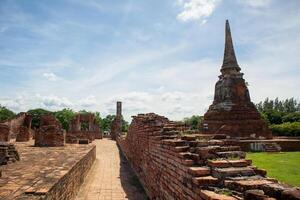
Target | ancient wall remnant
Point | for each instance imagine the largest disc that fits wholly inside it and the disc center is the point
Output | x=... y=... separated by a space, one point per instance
x=116 y=126
x=8 y=153
x=50 y=133
x=171 y=165
x=4 y=133
x=21 y=124
x=83 y=127
x=232 y=112
x=25 y=132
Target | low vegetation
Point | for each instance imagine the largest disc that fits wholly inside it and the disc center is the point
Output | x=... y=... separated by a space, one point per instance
x=282 y=166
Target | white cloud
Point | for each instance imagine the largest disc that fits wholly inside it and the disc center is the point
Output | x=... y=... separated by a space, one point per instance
x=88 y=101
x=196 y=9
x=53 y=102
x=256 y=3
x=50 y=76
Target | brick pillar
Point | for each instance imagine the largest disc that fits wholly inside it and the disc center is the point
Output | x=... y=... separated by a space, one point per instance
x=119 y=108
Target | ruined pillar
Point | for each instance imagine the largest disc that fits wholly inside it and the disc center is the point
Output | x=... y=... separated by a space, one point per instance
x=116 y=126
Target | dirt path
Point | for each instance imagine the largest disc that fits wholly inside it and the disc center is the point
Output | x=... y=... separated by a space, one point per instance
x=111 y=177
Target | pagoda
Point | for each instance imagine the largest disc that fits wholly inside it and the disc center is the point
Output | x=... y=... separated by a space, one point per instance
x=232 y=113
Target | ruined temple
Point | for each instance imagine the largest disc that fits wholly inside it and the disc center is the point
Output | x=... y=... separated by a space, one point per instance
x=116 y=126
x=18 y=128
x=232 y=112
x=50 y=132
x=83 y=128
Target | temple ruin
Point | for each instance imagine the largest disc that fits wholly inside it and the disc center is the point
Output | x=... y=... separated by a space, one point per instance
x=83 y=129
x=232 y=112
x=50 y=133
x=116 y=126
x=18 y=128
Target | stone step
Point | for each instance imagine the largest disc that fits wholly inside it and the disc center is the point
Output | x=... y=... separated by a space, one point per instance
x=205 y=181
x=188 y=162
x=231 y=154
x=181 y=148
x=228 y=163
x=189 y=137
x=199 y=171
x=210 y=195
x=246 y=184
x=175 y=143
x=232 y=172
x=206 y=143
x=170 y=132
x=257 y=195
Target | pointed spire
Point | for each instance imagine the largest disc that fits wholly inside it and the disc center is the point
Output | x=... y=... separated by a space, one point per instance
x=229 y=60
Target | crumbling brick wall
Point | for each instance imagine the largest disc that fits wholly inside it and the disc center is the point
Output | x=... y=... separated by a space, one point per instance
x=50 y=133
x=4 y=133
x=18 y=125
x=189 y=167
x=76 y=133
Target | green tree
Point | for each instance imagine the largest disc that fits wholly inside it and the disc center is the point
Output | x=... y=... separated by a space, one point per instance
x=36 y=114
x=125 y=125
x=5 y=113
x=193 y=122
x=65 y=116
x=106 y=122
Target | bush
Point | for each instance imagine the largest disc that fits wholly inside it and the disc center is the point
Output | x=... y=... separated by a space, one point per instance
x=291 y=117
x=286 y=129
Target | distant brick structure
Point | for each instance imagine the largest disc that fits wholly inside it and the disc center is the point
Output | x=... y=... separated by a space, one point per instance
x=172 y=165
x=232 y=112
x=50 y=133
x=4 y=133
x=116 y=126
x=83 y=127
x=25 y=133
x=19 y=128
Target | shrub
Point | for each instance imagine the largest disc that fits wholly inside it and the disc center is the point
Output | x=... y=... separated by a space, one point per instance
x=286 y=129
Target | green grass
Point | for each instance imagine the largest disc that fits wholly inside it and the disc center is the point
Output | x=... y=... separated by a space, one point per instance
x=283 y=166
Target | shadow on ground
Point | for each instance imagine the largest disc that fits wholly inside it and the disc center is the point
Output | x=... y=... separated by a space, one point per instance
x=130 y=183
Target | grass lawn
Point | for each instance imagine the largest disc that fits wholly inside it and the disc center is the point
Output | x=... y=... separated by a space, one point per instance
x=283 y=166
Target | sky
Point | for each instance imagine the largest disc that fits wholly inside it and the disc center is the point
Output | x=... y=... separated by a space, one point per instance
x=154 y=56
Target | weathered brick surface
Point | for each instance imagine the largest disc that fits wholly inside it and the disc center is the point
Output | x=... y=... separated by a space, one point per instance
x=171 y=165
x=54 y=173
x=50 y=133
x=4 y=133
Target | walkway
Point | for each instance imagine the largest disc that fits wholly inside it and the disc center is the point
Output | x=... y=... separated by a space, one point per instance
x=111 y=177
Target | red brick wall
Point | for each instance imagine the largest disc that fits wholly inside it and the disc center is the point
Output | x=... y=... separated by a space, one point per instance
x=173 y=166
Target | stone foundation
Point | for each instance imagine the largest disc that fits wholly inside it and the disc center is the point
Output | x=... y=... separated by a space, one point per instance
x=187 y=167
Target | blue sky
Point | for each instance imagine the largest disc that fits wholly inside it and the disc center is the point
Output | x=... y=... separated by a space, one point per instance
x=155 y=56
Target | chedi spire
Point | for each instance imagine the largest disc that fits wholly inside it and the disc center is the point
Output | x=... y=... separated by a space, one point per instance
x=229 y=61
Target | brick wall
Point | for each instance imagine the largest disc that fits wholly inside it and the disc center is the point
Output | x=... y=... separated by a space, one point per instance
x=171 y=165
x=68 y=186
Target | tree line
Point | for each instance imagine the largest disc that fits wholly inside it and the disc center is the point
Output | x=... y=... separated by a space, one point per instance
x=64 y=116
